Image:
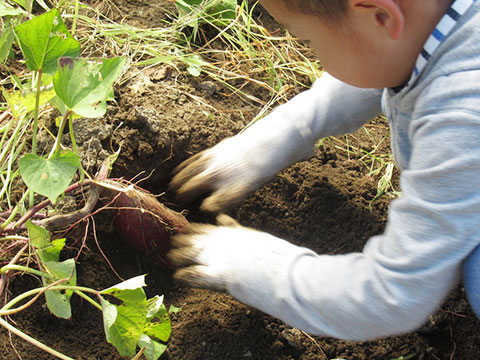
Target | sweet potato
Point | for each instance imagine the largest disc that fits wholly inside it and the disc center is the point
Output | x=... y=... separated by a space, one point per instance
x=146 y=224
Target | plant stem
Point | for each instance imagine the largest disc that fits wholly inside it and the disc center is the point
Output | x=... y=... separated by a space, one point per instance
x=6 y=310
x=6 y=268
x=37 y=290
x=15 y=210
x=81 y=171
x=89 y=299
x=4 y=115
x=6 y=183
x=35 y=112
x=77 y=289
x=61 y=129
x=13 y=237
x=33 y=341
x=13 y=138
x=29 y=214
x=31 y=301
x=139 y=354
x=4 y=277
x=35 y=125
x=75 y=17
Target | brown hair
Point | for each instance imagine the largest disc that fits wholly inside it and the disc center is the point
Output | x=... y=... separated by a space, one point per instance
x=329 y=10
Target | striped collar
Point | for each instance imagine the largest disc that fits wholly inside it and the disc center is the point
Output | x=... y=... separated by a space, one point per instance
x=443 y=28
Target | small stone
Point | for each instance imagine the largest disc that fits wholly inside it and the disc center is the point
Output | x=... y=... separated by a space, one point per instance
x=207 y=87
x=140 y=84
x=293 y=337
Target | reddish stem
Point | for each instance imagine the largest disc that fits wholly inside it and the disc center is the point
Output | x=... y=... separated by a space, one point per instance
x=30 y=213
x=4 y=115
x=4 y=277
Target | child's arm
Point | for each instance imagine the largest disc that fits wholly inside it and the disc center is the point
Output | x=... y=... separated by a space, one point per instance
x=239 y=165
x=401 y=276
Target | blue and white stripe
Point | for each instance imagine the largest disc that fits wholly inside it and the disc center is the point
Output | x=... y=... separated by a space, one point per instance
x=443 y=28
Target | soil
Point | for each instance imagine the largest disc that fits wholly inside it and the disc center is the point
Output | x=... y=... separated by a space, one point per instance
x=160 y=118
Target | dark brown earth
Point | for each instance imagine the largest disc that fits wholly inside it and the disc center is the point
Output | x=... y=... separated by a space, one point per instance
x=160 y=119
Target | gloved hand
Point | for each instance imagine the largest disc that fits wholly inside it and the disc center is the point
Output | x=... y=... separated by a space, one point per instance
x=226 y=170
x=237 y=166
x=207 y=255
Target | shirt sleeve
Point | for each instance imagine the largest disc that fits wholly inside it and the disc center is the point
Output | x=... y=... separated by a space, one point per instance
x=403 y=275
x=289 y=133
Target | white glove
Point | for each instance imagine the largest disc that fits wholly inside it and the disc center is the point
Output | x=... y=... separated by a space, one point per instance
x=237 y=166
x=207 y=255
x=223 y=170
x=234 y=168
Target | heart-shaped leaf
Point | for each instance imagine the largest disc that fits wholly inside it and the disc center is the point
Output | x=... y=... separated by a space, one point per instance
x=136 y=321
x=124 y=323
x=84 y=86
x=48 y=251
x=49 y=177
x=44 y=39
x=58 y=302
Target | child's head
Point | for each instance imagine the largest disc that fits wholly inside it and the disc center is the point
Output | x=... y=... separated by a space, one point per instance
x=366 y=43
x=329 y=10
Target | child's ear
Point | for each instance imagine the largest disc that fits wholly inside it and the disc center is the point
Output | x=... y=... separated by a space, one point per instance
x=385 y=13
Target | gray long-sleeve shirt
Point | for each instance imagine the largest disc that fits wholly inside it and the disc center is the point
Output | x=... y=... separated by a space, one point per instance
x=404 y=274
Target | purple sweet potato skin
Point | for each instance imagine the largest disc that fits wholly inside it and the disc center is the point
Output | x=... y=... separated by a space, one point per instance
x=146 y=224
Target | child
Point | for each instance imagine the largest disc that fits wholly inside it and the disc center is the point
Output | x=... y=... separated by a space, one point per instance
x=425 y=55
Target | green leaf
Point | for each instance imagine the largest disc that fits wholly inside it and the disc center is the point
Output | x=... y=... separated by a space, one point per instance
x=6 y=10
x=23 y=102
x=117 y=327
x=6 y=41
x=222 y=11
x=43 y=5
x=136 y=321
x=153 y=349
x=195 y=64
x=84 y=86
x=153 y=306
x=44 y=39
x=54 y=248
x=130 y=284
x=187 y=5
x=216 y=12
x=49 y=177
x=63 y=270
x=124 y=323
x=173 y=309
x=58 y=302
x=40 y=239
x=110 y=314
x=159 y=327
x=22 y=3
